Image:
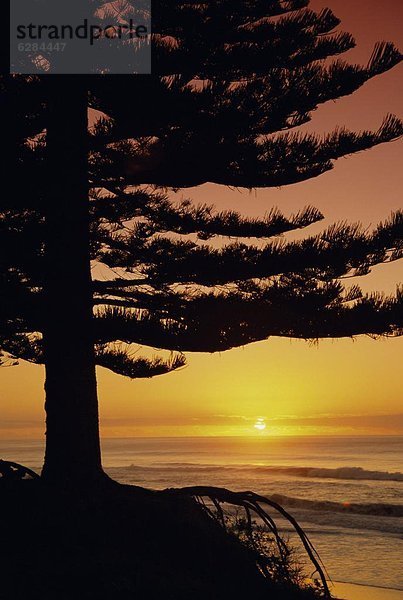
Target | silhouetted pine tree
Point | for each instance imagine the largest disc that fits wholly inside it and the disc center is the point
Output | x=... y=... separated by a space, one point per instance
x=230 y=83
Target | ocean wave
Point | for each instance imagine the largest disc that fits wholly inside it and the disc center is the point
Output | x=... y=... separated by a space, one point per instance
x=380 y=509
x=349 y=473
x=374 y=509
x=340 y=473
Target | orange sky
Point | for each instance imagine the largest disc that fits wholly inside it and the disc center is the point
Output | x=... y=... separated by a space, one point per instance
x=337 y=387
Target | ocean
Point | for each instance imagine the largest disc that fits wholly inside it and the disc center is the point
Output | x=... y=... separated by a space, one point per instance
x=346 y=492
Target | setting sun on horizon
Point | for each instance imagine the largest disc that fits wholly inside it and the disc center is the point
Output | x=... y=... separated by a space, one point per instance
x=260 y=424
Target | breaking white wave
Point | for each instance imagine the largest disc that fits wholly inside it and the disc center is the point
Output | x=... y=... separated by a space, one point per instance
x=376 y=508
x=349 y=473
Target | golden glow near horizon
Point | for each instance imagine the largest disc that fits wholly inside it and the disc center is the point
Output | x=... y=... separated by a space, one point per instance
x=337 y=387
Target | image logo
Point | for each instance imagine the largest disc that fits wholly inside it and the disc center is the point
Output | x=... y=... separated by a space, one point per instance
x=80 y=37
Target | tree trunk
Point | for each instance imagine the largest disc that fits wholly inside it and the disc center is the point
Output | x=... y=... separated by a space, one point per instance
x=73 y=455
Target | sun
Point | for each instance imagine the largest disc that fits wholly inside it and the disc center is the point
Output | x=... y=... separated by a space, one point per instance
x=260 y=424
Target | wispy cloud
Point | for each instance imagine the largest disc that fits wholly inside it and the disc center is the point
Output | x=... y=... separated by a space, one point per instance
x=221 y=424
x=381 y=423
